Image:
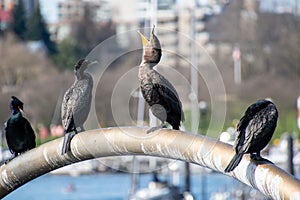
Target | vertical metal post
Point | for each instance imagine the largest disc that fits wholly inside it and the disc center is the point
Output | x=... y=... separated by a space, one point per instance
x=187 y=185
x=134 y=177
x=237 y=72
x=203 y=113
x=153 y=21
x=2 y=145
x=141 y=108
x=298 y=109
x=140 y=120
x=236 y=55
x=194 y=88
x=290 y=154
x=194 y=75
x=153 y=16
x=141 y=102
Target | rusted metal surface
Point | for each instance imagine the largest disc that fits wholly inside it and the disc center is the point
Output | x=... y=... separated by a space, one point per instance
x=205 y=151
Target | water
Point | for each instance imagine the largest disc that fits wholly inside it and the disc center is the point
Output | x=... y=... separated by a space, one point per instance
x=106 y=187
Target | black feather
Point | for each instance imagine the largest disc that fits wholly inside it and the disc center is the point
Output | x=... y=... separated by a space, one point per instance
x=77 y=102
x=157 y=91
x=254 y=130
x=19 y=134
x=234 y=162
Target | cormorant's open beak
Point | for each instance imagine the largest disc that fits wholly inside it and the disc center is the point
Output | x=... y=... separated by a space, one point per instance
x=144 y=39
x=152 y=33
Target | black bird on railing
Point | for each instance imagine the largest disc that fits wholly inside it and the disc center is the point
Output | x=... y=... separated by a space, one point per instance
x=157 y=91
x=76 y=102
x=19 y=134
x=254 y=131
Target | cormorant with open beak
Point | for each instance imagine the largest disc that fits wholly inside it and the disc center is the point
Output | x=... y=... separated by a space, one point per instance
x=254 y=131
x=19 y=134
x=76 y=102
x=157 y=91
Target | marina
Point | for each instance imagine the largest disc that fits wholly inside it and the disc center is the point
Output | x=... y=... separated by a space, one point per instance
x=162 y=90
x=110 y=186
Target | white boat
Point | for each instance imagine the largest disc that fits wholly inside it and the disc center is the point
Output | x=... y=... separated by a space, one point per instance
x=157 y=191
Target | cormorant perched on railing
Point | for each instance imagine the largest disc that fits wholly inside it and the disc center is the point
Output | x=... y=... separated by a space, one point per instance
x=76 y=102
x=19 y=134
x=254 y=131
x=157 y=91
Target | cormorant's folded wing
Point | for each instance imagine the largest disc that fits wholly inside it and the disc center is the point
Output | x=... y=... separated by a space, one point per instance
x=68 y=104
x=29 y=134
x=247 y=129
x=8 y=138
x=171 y=96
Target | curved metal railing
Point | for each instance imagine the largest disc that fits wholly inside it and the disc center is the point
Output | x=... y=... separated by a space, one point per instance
x=266 y=177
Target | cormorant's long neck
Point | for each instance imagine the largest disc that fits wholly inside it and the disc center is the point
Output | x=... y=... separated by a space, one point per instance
x=145 y=69
x=81 y=75
x=147 y=65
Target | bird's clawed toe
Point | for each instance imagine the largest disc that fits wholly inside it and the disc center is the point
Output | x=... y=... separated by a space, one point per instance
x=259 y=158
x=9 y=159
x=156 y=128
x=152 y=129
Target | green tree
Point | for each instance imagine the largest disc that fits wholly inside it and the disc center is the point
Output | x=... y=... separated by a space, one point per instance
x=88 y=33
x=18 y=25
x=66 y=56
x=85 y=32
x=37 y=30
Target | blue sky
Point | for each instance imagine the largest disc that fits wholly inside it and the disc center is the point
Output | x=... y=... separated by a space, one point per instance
x=50 y=13
x=49 y=10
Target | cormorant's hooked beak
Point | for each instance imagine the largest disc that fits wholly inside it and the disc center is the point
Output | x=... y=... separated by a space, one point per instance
x=92 y=63
x=21 y=110
x=144 y=39
x=154 y=42
x=152 y=33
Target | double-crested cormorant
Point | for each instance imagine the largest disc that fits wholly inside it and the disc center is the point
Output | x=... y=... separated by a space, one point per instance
x=157 y=91
x=19 y=134
x=254 y=131
x=76 y=102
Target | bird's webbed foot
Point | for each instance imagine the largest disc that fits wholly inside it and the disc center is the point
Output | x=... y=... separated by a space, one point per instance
x=155 y=128
x=257 y=157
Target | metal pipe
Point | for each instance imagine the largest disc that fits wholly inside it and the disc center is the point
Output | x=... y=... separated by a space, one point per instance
x=290 y=154
x=194 y=87
x=266 y=177
x=187 y=178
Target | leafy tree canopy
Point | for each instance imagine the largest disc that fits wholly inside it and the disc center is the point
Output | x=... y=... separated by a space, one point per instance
x=18 y=25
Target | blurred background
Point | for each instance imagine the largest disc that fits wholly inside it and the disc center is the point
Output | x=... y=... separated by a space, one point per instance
x=255 y=45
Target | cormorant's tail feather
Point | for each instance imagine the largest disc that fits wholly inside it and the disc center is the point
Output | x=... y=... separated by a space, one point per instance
x=234 y=162
x=67 y=141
